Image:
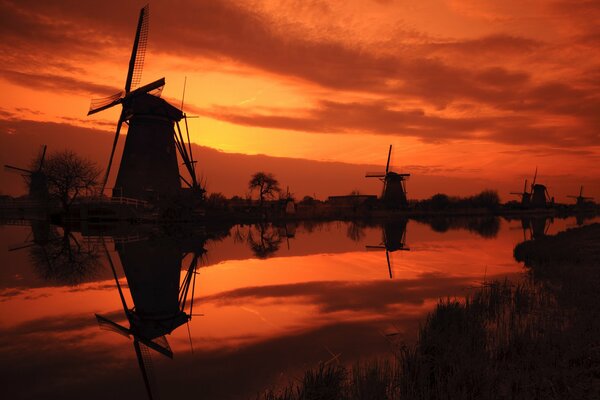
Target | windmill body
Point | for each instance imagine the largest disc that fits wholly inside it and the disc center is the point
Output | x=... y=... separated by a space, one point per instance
x=539 y=197
x=149 y=168
x=152 y=268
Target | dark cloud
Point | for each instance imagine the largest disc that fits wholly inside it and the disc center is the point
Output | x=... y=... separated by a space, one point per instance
x=56 y=83
x=380 y=117
x=59 y=34
x=371 y=296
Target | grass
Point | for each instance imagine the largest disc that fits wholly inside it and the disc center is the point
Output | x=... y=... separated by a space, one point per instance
x=536 y=339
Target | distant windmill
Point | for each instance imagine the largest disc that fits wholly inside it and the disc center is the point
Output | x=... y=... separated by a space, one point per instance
x=394 y=189
x=36 y=178
x=525 y=195
x=580 y=199
x=149 y=167
x=394 y=239
x=536 y=197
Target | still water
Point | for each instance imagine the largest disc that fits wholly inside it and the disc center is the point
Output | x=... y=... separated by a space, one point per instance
x=96 y=316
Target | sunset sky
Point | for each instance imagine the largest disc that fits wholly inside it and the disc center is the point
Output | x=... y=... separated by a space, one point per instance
x=470 y=90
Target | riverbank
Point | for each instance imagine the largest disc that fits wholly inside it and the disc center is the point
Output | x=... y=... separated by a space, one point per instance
x=537 y=338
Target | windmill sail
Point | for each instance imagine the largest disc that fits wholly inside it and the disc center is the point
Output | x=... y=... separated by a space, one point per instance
x=138 y=52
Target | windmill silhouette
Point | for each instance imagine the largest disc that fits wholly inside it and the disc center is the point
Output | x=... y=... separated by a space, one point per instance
x=394 y=239
x=36 y=178
x=525 y=195
x=537 y=196
x=393 y=194
x=581 y=200
x=159 y=306
x=149 y=168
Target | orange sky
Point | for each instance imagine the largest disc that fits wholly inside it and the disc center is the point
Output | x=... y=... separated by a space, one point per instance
x=464 y=89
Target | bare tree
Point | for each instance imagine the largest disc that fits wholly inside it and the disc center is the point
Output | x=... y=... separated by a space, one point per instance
x=69 y=175
x=266 y=184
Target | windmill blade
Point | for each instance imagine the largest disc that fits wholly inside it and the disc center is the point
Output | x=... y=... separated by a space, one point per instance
x=109 y=325
x=112 y=154
x=387 y=165
x=42 y=158
x=581 y=191
x=138 y=52
x=387 y=256
x=534 y=176
x=162 y=348
x=157 y=85
x=145 y=363
x=97 y=105
x=525 y=187
x=10 y=168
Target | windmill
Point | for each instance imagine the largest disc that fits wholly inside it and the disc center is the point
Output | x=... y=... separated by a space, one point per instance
x=539 y=193
x=149 y=168
x=394 y=239
x=150 y=320
x=581 y=200
x=36 y=178
x=394 y=189
x=525 y=195
x=537 y=196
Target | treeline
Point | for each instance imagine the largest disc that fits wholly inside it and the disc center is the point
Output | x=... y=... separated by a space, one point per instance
x=487 y=199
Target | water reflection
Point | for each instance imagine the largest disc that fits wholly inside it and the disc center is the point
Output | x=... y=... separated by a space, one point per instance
x=60 y=255
x=161 y=303
x=535 y=227
x=394 y=239
x=266 y=321
x=486 y=226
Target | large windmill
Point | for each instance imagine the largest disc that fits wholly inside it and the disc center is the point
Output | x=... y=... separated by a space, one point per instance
x=581 y=200
x=149 y=168
x=394 y=239
x=394 y=189
x=36 y=178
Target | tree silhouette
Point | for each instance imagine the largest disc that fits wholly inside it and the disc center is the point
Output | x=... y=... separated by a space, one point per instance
x=266 y=184
x=69 y=175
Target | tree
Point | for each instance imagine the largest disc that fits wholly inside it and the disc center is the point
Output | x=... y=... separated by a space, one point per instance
x=69 y=175
x=266 y=184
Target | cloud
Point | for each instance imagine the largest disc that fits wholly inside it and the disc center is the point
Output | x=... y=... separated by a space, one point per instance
x=380 y=117
x=334 y=296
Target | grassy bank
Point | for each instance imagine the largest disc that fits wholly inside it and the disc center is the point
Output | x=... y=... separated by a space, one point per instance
x=538 y=338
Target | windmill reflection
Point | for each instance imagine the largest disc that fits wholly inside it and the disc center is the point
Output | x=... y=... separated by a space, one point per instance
x=394 y=239
x=152 y=268
x=535 y=227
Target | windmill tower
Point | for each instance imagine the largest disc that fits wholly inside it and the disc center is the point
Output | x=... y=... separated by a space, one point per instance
x=394 y=188
x=394 y=239
x=36 y=178
x=149 y=168
x=581 y=200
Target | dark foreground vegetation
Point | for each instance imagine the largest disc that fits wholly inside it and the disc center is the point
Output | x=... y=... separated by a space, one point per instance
x=534 y=339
